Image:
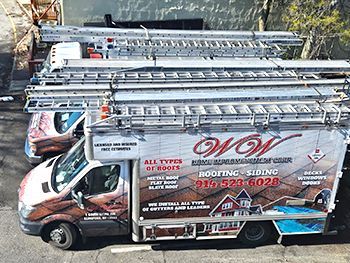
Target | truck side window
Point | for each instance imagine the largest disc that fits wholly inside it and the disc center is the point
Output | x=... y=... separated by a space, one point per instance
x=102 y=179
x=80 y=126
x=64 y=120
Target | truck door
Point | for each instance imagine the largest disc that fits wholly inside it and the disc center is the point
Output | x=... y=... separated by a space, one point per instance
x=104 y=191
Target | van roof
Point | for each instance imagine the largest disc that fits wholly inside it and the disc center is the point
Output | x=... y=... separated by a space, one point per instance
x=61 y=51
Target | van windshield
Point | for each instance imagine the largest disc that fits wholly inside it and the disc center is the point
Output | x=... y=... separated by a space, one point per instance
x=68 y=166
x=65 y=120
x=46 y=65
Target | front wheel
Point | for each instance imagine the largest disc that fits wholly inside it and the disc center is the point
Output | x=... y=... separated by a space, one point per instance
x=62 y=235
x=255 y=233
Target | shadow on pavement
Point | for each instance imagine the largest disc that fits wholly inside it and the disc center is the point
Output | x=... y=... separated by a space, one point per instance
x=15 y=105
x=301 y=240
x=93 y=243
x=306 y=240
x=5 y=70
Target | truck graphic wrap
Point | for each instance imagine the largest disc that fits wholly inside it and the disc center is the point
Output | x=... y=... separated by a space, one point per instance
x=49 y=133
x=234 y=174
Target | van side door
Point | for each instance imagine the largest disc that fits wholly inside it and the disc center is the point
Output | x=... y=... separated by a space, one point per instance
x=105 y=191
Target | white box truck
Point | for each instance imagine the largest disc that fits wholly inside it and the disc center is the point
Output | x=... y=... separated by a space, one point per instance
x=195 y=165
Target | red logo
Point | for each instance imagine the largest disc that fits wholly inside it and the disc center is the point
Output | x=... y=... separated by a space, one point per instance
x=248 y=145
x=316 y=155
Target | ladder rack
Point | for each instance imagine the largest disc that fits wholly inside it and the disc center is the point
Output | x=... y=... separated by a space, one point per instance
x=154 y=117
x=341 y=67
x=91 y=97
x=65 y=78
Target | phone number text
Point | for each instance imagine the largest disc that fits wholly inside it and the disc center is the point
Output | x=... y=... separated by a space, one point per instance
x=231 y=183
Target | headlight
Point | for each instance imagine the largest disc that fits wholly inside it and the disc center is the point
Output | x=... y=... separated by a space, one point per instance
x=20 y=204
x=32 y=147
x=35 y=120
x=24 y=209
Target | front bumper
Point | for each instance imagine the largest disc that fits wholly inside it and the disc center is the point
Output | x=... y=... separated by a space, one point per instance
x=33 y=159
x=29 y=227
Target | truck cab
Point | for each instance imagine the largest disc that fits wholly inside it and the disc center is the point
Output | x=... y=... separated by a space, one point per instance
x=51 y=133
x=58 y=53
x=74 y=195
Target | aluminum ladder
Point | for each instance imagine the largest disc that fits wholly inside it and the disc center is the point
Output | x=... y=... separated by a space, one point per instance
x=81 y=97
x=65 y=78
x=169 y=43
x=100 y=34
x=154 y=117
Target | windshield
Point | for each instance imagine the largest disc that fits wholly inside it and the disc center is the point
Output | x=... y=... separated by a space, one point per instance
x=65 y=120
x=68 y=166
x=46 y=65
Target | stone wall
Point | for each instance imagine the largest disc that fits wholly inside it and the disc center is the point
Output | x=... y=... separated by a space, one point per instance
x=218 y=14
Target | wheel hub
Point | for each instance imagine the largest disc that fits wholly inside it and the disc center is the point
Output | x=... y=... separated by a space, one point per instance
x=255 y=233
x=57 y=235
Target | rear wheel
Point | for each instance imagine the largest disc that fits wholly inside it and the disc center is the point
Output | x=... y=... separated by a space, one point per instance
x=255 y=233
x=62 y=235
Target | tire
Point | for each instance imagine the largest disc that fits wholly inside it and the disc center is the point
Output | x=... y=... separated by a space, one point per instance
x=62 y=235
x=255 y=233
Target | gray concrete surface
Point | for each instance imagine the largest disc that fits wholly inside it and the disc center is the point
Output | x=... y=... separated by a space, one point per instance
x=10 y=11
x=219 y=14
x=17 y=247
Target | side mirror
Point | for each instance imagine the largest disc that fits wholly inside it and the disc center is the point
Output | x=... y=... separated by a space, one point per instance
x=78 y=132
x=78 y=198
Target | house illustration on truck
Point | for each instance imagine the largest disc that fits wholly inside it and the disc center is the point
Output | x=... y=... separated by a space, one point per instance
x=232 y=206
